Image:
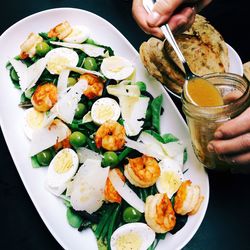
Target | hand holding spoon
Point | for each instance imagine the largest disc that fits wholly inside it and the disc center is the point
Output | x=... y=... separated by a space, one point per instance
x=196 y=89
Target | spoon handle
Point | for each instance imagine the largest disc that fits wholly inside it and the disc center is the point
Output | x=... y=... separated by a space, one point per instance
x=148 y=5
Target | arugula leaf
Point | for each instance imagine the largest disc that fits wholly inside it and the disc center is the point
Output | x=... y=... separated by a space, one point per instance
x=156 y=112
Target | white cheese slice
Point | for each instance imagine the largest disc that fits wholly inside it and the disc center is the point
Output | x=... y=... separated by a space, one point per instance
x=133 y=110
x=46 y=137
x=28 y=76
x=66 y=106
x=89 y=49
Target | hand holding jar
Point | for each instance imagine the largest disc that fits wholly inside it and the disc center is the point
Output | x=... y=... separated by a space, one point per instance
x=232 y=142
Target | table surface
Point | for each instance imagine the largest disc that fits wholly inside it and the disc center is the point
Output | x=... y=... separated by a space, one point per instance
x=227 y=221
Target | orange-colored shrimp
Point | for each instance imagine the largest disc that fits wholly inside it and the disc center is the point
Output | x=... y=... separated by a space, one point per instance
x=142 y=171
x=110 y=193
x=110 y=136
x=188 y=199
x=95 y=85
x=61 y=30
x=159 y=213
x=44 y=97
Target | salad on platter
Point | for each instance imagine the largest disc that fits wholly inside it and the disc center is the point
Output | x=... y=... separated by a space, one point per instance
x=96 y=128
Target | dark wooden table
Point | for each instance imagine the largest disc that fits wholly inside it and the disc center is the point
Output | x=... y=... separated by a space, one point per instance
x=227 y=221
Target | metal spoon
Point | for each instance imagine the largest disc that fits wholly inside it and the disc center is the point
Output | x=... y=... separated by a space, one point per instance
x=148 y=5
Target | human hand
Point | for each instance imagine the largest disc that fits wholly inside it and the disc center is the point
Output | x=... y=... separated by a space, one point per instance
x=179 y=14
x=232 y=142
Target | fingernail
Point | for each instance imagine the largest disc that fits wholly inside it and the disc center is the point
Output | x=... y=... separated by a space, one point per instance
x=210 y=147
x=218 y=135
x=153 y=18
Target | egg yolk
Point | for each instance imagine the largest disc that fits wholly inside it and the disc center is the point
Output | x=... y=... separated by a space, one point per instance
x=57 y=65
x=63 y=162
x=129 y=241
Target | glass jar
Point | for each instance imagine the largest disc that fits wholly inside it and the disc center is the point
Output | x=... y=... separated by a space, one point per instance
x=203 y=121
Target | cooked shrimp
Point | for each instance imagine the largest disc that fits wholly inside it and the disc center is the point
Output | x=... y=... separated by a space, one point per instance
x=28 y=47
x=95 y=85
x=159 y=213
x=44 y=97
x=110 y=136
x=61 y=30
x=188 y=199
x=142 y=171
x=110 y=193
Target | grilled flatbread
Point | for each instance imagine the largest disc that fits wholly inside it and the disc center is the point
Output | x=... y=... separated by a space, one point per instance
x=202 y=46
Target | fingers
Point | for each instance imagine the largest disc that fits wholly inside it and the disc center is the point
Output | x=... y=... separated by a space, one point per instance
x=239 y=144
x=140 y=15
x=235 y=127
x=182 y=21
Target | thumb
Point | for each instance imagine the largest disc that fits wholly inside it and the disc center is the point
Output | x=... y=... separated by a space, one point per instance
x=162 y=11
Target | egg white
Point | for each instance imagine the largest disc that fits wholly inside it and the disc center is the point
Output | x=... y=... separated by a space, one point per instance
x=78 y=34
x=59 y=59
x=171 y=177
x=117 y=67
x=56 y=182
x=105 y=109
x=141 y=233
x=33 y=120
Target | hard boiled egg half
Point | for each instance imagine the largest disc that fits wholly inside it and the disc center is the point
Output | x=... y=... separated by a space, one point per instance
x=132 y=236
x=105 y=109
x=117 y=67
x=59 y=59
x=33 y=120
x=171 y=177
x=61 y=170
x=78 y=34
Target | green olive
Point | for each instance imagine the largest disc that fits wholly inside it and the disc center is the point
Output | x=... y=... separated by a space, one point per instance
x=81 y=110
x=77 y=139
x=73 y=219
x=90 y=63
x=71 y=81
x=110 y=158
x=131 y=214
x=44 y=158
x=42 y=48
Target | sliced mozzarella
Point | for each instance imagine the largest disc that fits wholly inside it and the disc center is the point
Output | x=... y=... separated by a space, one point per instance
x=66 y=106
x=85 y=153
x=133 y=110
x=105 y=109
x=171 y=177
x=89 y=49
x=83 y=71
x=33 y=120
x=132 y=236
x=46 y=137
x=59 y=59
x=78 y=34
x=28 y=76
x=61 y=169
x=87 y=190
x=116 y=67
x=126 y=192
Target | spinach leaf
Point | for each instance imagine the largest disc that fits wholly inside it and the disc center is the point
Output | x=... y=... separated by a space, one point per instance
x=156 y=112
x=169 y=138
